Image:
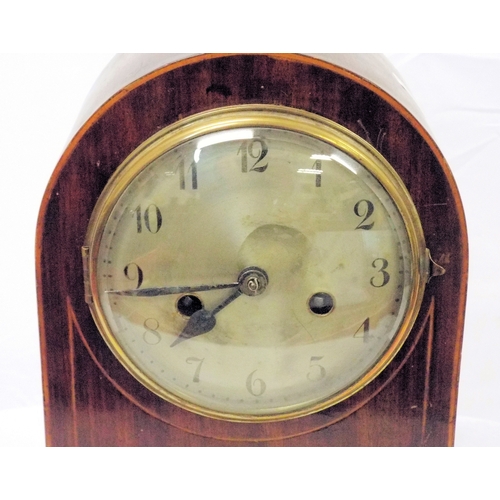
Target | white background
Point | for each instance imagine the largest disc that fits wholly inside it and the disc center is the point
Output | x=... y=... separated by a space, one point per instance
x=41 y=98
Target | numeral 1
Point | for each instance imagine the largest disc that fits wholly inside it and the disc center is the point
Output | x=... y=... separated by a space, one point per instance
x=182 y=175
x=317 y=166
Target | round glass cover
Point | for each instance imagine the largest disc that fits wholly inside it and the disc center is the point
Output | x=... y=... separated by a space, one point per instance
x=255 y=264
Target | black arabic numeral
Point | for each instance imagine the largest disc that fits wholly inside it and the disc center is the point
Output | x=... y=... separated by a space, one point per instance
x=152 y=219
x=198 y=362
x=363 y=331
x=255 y=386
x=151 y=335
x=134 y=273
x=248 y=149
x=317 y=166
x=380 y=265
x=365 y=209
x=317 y=371
x=182 y=175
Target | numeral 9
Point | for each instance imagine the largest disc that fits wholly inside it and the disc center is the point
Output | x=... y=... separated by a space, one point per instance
x=134 y=273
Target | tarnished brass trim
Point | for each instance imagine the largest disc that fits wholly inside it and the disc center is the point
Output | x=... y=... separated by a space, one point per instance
x=86 y=280
x=271 y=116
x=434 y=268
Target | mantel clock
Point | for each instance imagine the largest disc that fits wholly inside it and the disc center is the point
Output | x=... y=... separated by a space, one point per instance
x=251 y=249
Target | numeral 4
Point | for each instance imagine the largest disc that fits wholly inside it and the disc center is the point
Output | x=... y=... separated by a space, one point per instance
x=363 y=331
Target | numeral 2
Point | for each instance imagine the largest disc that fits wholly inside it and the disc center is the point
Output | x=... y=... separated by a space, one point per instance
x=365 y=209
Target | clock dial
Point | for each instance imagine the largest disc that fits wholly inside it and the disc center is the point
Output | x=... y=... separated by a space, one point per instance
x=255 y=264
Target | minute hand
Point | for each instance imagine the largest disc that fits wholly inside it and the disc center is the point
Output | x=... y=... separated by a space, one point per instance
x=170 y=290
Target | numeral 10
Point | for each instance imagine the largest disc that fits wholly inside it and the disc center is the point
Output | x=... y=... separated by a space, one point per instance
x=151 y=217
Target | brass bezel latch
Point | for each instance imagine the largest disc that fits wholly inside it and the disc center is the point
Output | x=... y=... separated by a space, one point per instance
x=434 y=268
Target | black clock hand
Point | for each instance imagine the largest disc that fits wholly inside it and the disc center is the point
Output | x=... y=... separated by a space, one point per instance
x=251 y=281
x=171 y=290
x=203 y=321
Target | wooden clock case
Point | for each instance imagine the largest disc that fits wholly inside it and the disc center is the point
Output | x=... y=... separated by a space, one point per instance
x=91 y=400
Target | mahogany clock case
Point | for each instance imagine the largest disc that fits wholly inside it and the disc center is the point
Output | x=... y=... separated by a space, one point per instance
x=91 y=400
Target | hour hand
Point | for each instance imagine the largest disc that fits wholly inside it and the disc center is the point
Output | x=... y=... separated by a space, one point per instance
x=200 y=322
x=203 y=321
x=170 y=290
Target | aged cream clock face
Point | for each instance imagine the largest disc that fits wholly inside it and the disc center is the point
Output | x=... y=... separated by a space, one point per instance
x=255 y=263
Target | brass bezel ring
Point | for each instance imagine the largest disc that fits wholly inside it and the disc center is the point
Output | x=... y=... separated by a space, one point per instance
x=271 y=116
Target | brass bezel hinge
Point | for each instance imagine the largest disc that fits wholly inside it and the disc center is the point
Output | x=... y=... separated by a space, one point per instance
x=86 y=276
